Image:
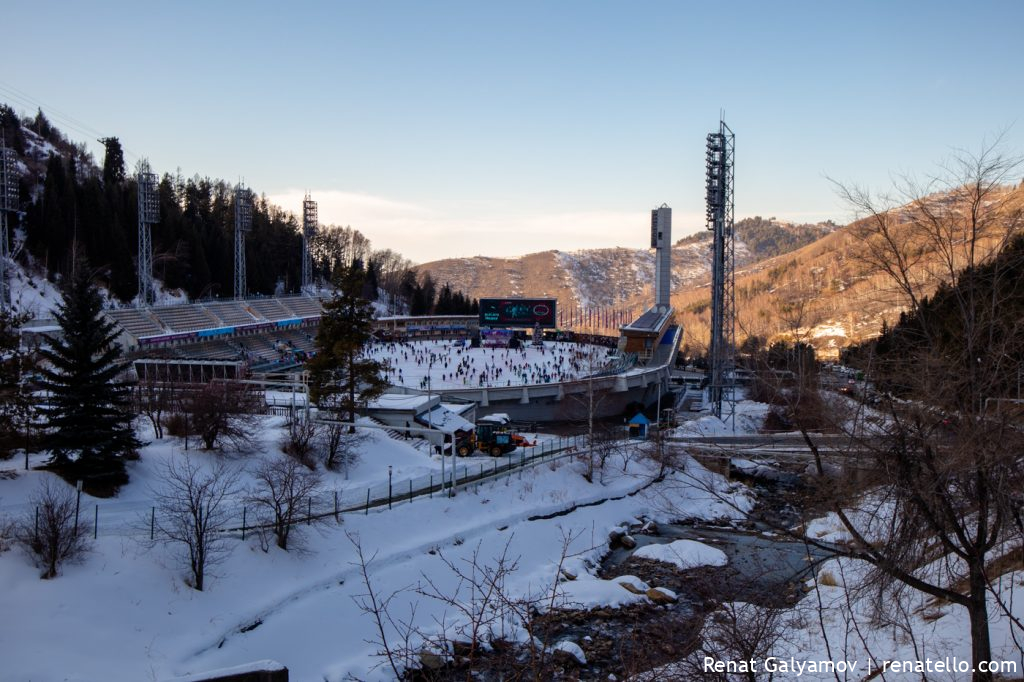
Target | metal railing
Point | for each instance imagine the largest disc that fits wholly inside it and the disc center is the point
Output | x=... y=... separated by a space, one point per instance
x=138 y=518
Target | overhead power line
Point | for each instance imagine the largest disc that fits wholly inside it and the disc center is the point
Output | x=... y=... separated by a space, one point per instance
x=64 y=120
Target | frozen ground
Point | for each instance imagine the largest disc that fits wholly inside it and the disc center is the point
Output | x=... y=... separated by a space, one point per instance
x=125 y=613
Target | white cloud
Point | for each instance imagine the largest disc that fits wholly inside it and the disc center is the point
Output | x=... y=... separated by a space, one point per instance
x=424 y=233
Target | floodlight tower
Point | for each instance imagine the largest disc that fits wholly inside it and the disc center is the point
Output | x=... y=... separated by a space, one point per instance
x=243 y=225
x=149 y=214
x=721 y=149
x=309 y=227
x=8 y=206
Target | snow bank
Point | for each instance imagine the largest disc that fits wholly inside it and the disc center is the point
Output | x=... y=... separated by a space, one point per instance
x=684 y=554
x=749 y=418
x=254 y=667
x=589 y=592
x=134 y=618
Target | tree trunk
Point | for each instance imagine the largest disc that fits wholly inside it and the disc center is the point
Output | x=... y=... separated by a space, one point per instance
x=981 y=646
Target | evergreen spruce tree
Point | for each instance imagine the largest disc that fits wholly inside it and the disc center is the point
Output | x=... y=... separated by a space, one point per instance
x=89 y=416
x=16 y=406
x=341 y=376
x=113 y=161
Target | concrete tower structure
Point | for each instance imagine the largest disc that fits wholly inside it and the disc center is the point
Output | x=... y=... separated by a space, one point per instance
x=661 y=241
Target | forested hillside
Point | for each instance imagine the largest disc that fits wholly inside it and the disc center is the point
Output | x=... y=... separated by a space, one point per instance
x=832 y=292
x=768 y=237
x=70 y=201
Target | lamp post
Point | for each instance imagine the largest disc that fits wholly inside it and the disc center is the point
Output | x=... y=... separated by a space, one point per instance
x=78 y=503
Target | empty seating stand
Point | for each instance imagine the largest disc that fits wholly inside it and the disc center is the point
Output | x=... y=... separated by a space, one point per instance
x=231 y=313
x=271 y=309
x=303 y=306
x=186 y=318
x=210 y=350
x=136 y=322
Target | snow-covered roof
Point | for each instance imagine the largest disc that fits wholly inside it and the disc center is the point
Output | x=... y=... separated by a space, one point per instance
x=400 y=401
x=459 y=408
x=443 y=419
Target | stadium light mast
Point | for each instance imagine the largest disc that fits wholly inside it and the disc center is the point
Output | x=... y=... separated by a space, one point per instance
x=149 y=215
x=721 y=149
x=309 y=228
x=243 y=225
x=9 y=203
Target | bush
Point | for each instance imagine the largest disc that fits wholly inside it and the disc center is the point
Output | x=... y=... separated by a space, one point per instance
x=49 y=531
x=176 y=425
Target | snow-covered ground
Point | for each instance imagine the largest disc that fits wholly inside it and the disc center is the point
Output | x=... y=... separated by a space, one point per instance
x=125 y=612
x=747 y=418
x=684 y=554
x=453 y=364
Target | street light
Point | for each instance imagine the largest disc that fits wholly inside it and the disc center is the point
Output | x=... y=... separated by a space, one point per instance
x=78 y=503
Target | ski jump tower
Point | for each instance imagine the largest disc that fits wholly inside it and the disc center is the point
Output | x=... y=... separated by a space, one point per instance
x=661 y=242
x=8 y=207
x=721 y=149
x=309 y=226
x=243 y=225
x=149 y=215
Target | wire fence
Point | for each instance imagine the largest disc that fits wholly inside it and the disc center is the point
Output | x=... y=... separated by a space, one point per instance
x=141 y=518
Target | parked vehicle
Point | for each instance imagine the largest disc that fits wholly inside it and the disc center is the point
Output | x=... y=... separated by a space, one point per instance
x=491 y=437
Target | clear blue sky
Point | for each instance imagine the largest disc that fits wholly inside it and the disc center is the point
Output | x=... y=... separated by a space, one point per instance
x=463 y=128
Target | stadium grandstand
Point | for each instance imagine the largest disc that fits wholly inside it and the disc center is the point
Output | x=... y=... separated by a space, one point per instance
x=258 y=337
x=198 y=341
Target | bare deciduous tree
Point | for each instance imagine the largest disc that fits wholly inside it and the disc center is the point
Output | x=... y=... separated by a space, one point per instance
x=953 y=465
x=222 y=414
x=735 y=632
x=155 y=399
x=302 y=441
x=489 y=618
x=339 y=448
x=49 y=532
x=193 y=509
x=281 y=493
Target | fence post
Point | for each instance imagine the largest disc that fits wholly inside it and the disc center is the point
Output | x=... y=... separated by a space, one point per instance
x=430 y=490
x=35 y=534
x=152 y=522
x=410 y=490
x=95 y=521
x=367 y=502
x=335 y=506
x=243 y=523
x=309 y=510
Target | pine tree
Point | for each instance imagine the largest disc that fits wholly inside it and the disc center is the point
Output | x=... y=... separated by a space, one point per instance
x=16 y=406
x=89 y=415
x=341 y=376
x=113 y=161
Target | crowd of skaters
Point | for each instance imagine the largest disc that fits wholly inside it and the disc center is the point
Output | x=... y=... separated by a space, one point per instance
x=455 y=364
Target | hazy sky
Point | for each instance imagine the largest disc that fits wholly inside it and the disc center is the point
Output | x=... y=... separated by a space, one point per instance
x=501 y=128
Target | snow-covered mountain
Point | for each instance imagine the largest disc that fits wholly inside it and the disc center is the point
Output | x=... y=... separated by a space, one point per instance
x=586 y=277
